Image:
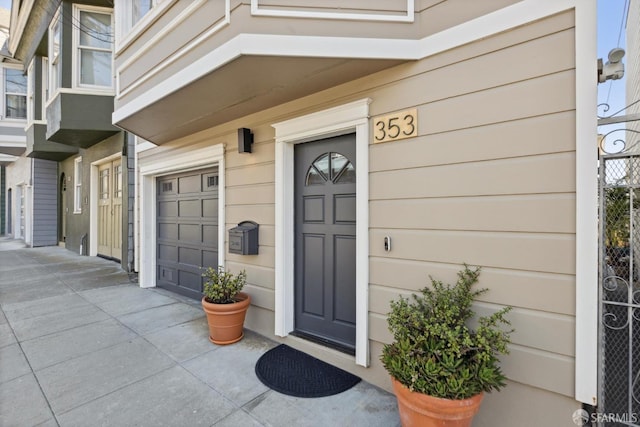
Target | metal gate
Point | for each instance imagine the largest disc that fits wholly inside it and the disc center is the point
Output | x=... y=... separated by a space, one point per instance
x=619 y=389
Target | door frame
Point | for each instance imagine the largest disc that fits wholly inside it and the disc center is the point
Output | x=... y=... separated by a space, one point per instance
x=154 y=163
x=348 y=118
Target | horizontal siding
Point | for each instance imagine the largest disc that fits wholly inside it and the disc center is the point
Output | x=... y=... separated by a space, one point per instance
x=530 y=406
x=256 y=194
x=490 y=181
x=525 y=69
x=530 y=136
x=498 y=106
x=446 y=14
x=526 y=289
x=250 y=195
x=487 y=178
x=548 y=213
x=544 y=369
x=548 y=253
x=540 y=369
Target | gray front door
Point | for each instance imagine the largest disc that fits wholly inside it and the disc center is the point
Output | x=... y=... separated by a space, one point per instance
x=325 y=241
x=187 y=230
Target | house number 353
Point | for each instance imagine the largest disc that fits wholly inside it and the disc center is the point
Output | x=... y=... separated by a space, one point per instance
x=394 y=126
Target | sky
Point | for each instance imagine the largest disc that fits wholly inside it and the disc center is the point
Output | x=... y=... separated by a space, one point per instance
x=611 y=33
x=5 y=4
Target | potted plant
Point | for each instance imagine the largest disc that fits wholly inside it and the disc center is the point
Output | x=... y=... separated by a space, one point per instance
x=224 y=304
x=440 y=367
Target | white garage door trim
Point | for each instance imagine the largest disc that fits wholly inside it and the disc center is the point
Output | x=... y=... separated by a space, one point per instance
x=160 y=162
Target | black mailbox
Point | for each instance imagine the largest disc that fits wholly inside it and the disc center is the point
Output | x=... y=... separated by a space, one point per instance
x=243 y=239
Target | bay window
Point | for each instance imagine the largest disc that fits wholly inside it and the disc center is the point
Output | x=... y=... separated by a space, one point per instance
x=55 y=31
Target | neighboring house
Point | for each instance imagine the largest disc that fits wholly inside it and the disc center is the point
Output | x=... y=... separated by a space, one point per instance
x=68 y=51
x=389 y=144
x=16 y=184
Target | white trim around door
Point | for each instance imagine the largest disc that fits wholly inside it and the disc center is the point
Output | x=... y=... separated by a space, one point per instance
x=587 y=316
x=159 y=162
x=348 y=118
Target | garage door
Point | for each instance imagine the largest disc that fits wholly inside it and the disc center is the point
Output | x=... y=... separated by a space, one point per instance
x=187 y=230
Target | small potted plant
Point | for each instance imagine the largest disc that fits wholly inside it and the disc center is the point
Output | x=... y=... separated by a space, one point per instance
x=224 y=304
x=440 y=367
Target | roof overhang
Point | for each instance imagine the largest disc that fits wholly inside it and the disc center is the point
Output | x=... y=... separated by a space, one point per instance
x=10 y=145
x=252 y=72
x=6 y=159
x=245 y=85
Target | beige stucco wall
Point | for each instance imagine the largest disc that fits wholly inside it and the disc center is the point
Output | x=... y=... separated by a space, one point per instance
x=489 y=181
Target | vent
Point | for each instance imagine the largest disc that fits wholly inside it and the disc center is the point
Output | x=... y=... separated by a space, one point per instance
x=167 y=187
x=212 y=181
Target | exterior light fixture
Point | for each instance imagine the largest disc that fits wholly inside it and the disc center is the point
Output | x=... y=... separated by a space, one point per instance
x=614 y=68
x=245 y=139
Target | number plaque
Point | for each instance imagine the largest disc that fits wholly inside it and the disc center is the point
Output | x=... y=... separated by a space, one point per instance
x=395 y=126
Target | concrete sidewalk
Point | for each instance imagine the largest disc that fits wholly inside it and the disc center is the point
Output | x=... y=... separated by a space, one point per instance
x=80 y=345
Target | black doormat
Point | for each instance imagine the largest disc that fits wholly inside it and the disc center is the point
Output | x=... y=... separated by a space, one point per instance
x=289 y=371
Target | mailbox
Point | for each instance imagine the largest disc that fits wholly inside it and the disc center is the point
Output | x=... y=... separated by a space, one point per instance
x=243 y=239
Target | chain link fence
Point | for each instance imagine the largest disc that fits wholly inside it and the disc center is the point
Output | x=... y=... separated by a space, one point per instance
x=620 y=289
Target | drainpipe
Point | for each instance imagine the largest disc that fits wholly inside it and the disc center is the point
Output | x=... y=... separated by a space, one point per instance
x=83 y=244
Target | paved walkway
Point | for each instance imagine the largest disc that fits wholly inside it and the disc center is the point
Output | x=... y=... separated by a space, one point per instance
x=80 y=345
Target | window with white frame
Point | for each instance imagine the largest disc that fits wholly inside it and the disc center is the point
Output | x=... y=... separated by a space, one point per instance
x=77 y=186
x=45 y=86
x=15 y=94
x=31 y=84
x=130 y=12
x=55 y=32
x=93 y=41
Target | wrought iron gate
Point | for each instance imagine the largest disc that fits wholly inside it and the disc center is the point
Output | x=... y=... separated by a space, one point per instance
x=619 y=390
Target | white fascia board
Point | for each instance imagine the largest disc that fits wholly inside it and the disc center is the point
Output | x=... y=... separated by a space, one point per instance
x=13 y=141
x=144 y=146
x=8 y=158
x=501 y=20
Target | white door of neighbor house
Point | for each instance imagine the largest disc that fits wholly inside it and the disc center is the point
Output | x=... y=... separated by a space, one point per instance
x=110 y=209
x=10 y=212
x=21 y=212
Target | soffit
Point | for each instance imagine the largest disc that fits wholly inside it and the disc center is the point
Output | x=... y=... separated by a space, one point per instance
x=244 y=86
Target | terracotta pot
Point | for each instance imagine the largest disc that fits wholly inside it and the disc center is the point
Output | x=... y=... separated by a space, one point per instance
x=226 y=321
x=417 y=409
